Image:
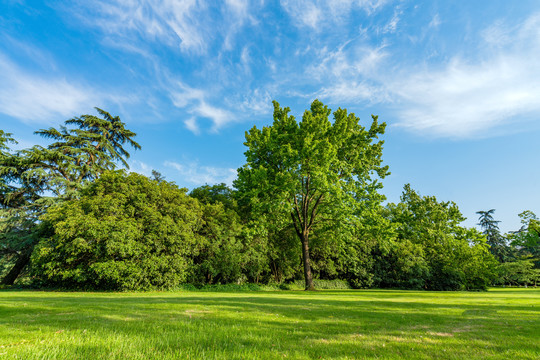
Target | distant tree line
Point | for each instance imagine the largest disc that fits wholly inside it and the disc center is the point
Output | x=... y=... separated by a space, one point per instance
x=306 y=205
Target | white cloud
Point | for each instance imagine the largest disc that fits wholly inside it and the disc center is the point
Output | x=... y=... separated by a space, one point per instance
x=219 y=116
x=140 y=167
x=257 y=101
x=468 y=98
x=348 y=61
x=37 y=98
x=191 y=125
x=186 y=95
x=324 y=13
x=349 y=70
x=196 y=174
x=239 y=7
x=435 y=22
x=352 y=91
x=463 y=97
x=194 y=100
x=391 y=27
x=238 y=13
x=462 y=100
x=183 y=24
x=176 y=23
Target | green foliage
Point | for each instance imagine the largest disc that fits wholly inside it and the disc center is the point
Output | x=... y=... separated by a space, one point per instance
x=77 y=155
x=312 y=174
x=320 y=284
x=400 y=264
x=223 y=287
x=526 y=241
x=213 y=194
x=457 y=258
x=518 y=273
x=220 y=247
x=93 y=146
x=20 y=206
x=495 y=240
x=124 y=232
x=313 y=183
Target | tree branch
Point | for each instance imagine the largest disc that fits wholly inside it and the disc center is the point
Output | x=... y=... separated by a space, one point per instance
x=296 y=227
x=313 y=211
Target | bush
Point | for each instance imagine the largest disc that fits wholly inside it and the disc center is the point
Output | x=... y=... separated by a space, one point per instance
x=320 y=285
x=124 y=232
x=230 y=288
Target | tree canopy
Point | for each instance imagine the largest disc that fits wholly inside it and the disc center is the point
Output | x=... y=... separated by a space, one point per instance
x=314 y=172
x=455 y=257
x=306 y=204
x=122 y=232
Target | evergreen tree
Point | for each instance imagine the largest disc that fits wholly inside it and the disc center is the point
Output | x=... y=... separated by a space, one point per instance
x=495 y=240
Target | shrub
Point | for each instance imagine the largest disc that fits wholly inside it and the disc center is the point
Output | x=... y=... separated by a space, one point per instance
x=124 y=232
x=321 y=285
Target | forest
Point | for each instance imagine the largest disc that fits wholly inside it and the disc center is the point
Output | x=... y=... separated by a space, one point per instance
x=307 y=206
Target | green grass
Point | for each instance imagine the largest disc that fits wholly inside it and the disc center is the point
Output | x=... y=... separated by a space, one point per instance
x=339 y=324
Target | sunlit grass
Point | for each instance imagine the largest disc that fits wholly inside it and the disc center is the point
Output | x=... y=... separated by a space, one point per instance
x=371 y=324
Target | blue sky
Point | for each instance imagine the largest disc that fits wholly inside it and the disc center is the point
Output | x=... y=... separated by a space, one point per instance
x=457 y=82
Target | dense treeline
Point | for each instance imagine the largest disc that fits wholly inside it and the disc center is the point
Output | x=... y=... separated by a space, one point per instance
x=306 y=205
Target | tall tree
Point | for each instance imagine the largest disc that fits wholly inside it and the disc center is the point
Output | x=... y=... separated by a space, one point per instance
x=495 y=240
x=312 y=172
x=83 y=149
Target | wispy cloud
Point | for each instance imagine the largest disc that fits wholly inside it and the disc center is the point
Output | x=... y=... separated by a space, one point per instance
x=196 y=103
x=191 y=125
x=140 y=167
x=181 y=24
x=321 y=14
x=174 y=23
x=466 y=98
x=392 y=25
x=42 y=99
x=194 y=173
x=258 y=101
x=231 y=77
x=217 y=64
x=435 y=22
x=472 y=94
x=350 y=70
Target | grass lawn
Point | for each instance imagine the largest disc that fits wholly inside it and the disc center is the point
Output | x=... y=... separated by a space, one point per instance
x=351 y=324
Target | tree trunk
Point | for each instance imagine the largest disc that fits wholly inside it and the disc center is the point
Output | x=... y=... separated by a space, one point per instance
x=20 y=264
x=307 y=263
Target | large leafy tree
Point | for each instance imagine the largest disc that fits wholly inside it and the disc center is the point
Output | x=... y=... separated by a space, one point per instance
x=81 y=151
x=314 y=174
